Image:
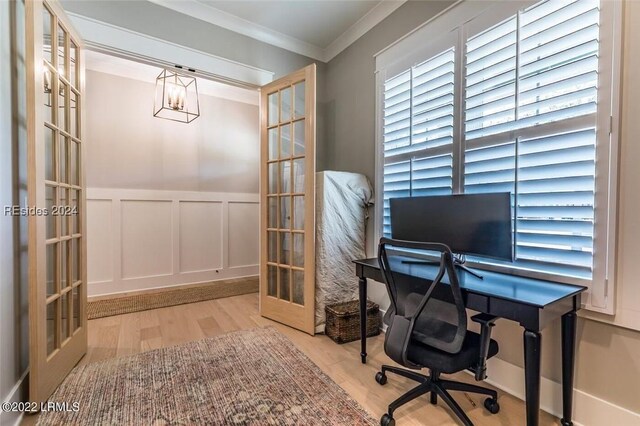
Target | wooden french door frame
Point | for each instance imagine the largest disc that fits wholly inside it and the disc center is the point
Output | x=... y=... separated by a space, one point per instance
x=280 y=278
x=55 y=182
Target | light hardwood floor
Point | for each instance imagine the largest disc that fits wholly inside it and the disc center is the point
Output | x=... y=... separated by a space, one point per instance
x=142 y=331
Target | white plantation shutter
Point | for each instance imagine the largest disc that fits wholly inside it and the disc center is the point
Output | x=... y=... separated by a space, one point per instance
x=418 y=131
x=530 y=129
x=555 y=200
x=490 y=99
x=521 y=102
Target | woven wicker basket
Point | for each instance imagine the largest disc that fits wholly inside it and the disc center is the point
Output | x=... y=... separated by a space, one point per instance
x=343 y=321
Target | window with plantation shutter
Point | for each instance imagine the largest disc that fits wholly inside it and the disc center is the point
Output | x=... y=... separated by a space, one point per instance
x=418 y=131
x=530 y=118
x=520 y=101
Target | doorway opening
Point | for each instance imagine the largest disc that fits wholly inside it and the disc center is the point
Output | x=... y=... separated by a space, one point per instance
x=170 y=205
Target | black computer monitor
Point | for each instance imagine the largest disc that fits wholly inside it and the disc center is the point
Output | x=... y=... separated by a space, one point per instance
x=475 y=224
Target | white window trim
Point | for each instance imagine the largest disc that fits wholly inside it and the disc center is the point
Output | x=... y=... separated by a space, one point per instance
x=408 y=51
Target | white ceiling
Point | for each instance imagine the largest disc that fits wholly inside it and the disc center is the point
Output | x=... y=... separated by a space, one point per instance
x=319 y=29
x=114 y=65
x=315 y=22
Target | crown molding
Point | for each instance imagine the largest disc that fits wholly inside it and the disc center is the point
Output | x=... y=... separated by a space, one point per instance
x=361 y=27
x=217 y=17
x=125 y=43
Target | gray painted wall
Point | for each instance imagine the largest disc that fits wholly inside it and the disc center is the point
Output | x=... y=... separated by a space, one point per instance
x=129 y=148
x=13 y=283
x=350 y=89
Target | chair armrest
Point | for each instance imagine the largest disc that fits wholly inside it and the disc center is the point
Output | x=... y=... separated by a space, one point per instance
x=486 y=322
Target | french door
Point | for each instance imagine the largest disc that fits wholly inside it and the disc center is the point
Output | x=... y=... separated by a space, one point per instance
x=287 y=199
x=55 y=187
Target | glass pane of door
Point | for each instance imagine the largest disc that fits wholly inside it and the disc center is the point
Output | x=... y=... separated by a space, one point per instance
x=273 y=109
x=62 y=37
x=76 y=308
x=73 y=113
x=272 y=212
x=272 y=280
x=73 y=57
x=285 y=176
x=298 y=175
x=285 y=212
x=52 y=326
x=285 y=103
x=64 y=273
x=298 y=250
x=75 y=260
x=285 y=284
x=46 y=40
x=298 y=212
x=49 y=154
x=285 y=248
x=272 y=178
x=298 y=138
x=52 y=271
x=298 y=287
x=285 y=141
x=273 y=143
x=62 y=108
x=74 y=211
x=299 y=99
x=272 y=247
x=50 y=195
x=64 y=316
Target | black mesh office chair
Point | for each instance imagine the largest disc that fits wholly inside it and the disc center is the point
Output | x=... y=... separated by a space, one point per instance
x=427 y=328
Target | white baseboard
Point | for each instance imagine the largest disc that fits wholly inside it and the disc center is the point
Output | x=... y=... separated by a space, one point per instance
x=16 y=394
x=167 y=282
x=588 y=409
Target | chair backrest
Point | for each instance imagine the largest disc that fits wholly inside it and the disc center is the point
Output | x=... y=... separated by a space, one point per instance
x=439 y=322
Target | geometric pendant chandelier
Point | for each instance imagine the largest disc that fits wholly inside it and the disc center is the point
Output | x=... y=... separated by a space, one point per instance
x=176 y=97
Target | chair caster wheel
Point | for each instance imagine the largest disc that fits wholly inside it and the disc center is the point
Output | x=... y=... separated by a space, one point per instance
x=387 y=420
x=381 y=378
x=492 y=405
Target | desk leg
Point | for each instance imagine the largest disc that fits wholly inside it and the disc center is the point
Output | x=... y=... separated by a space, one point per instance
x=362 y=284
x=568 y=358
x=532 y=346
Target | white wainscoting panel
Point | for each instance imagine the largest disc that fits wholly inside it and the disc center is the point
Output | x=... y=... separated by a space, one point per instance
x=142 y=239
x=146 y=238
x=100 y=222
x=200 y=235
x=244 y=222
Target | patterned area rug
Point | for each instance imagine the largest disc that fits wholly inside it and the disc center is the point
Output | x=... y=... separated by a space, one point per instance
x=162 y=299
x=252 y=377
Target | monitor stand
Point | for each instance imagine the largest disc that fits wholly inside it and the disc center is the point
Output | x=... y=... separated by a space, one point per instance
x=458 y=260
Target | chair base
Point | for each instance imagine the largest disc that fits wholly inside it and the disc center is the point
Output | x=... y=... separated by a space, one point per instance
x=438 y=388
